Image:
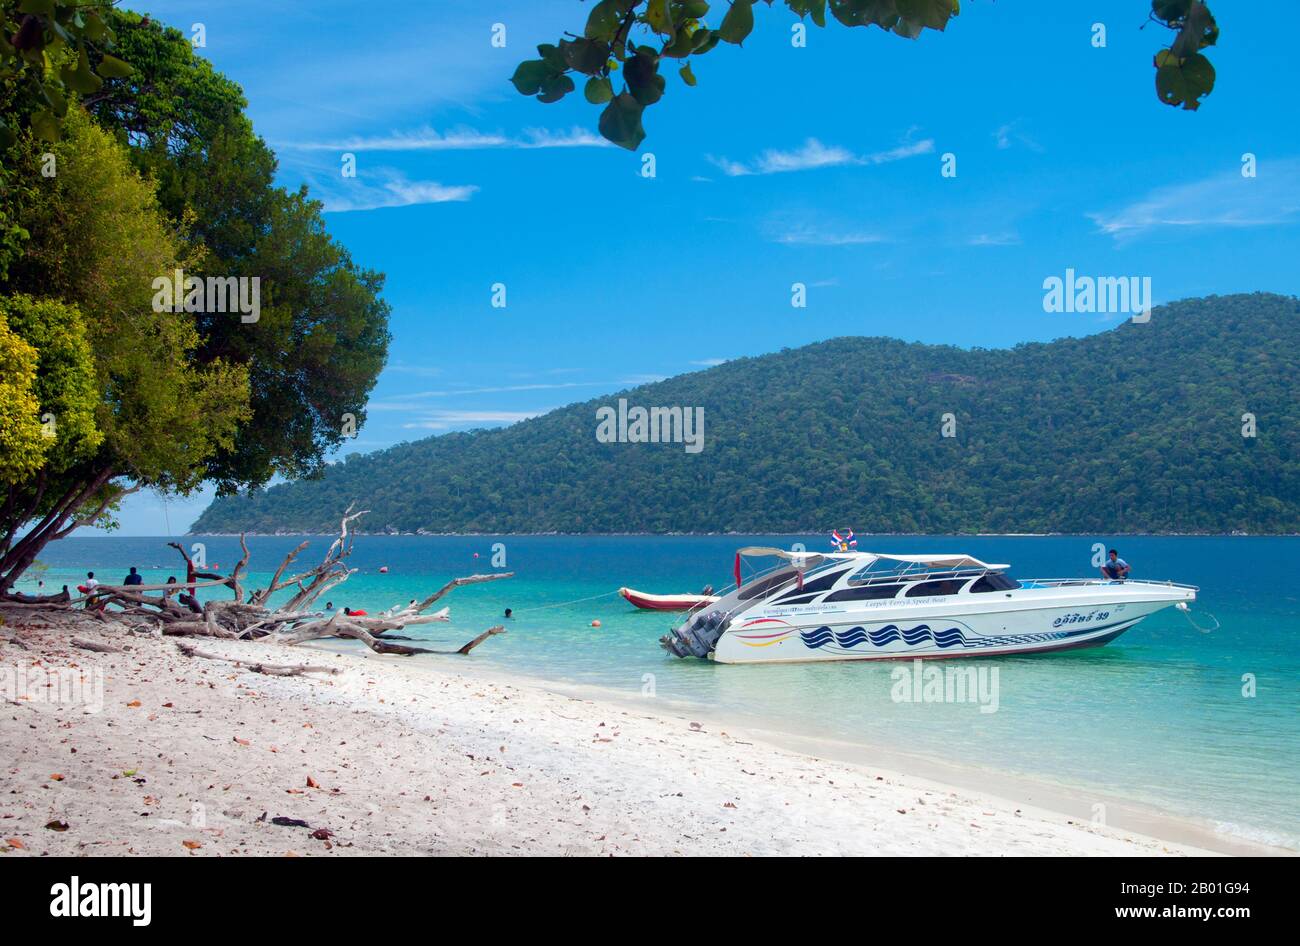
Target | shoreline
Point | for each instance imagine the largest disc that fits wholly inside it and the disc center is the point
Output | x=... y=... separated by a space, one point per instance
x=1056 y=800
x=394 y=757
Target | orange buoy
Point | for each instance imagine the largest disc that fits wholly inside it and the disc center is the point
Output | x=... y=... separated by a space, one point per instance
x=595 y=624
x=383 y=570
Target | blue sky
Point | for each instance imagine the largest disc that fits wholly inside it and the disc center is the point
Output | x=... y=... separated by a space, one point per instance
x=818 y=165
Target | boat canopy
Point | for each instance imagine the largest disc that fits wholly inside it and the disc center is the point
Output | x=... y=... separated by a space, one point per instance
x=938 y=561
x=867 y=558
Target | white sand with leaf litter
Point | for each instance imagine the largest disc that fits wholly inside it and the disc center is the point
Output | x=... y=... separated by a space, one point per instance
x=196 y=757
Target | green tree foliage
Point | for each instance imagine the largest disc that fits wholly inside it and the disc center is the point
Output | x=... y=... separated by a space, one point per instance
x=98 y=240
x=128 y=396
x=46 y=48
x=65 y=383
x=159 y=169
x=639 y=39
x=322 y=338
x=1137 y=429
x=22 y=444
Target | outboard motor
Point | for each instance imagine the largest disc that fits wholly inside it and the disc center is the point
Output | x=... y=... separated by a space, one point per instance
x=697 y=637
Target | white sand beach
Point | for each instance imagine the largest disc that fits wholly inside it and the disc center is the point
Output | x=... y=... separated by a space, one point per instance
x=191 y=756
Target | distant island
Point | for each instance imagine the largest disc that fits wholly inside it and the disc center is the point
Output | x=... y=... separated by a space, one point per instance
x=1188 y=423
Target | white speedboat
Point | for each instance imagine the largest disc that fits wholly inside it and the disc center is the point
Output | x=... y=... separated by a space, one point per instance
x=868 y=606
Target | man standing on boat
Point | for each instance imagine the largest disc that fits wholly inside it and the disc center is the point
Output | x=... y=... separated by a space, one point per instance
x=1116 y=569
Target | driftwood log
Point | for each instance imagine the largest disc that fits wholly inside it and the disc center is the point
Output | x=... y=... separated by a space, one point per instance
x=272 y=670
x=175 y=612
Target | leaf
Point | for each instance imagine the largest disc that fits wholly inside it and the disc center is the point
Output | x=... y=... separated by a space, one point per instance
x=927 y=14
x=57 y=825
x=643 y=79
x=687 y=76
x=1170 y=86
x=94 y=28
x=660 y=17
x=45 y=126
x=56 y=777
x=738 y=23
x=814 y=8
x=598 y=90
x=605 y=19
x=530 y=75
x=17 y=843
x=43 y=7
x=133 y=703
x=192 y=845
x=553 y=58
x=82 y=79
x=110 y=67
x=620 y=122
x=1198 y=77
x=694 y=9
x=555 y=88
x=584 y=55
x=57 y=100
x=683 y=45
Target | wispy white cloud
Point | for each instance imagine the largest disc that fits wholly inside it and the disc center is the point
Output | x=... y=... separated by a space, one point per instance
x=392 y=190
x=814 y=155
x=709 y=362
x=1008 y=136
x=457 y=139
x=411 y=401
x=1003 y=238
x=445 y=420
x=573 y=138
x=1224 y=200
x=424 y=371
x=816 y=234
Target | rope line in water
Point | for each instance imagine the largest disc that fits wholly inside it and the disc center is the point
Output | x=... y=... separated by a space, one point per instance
x=543 y=607
x=1187 y=613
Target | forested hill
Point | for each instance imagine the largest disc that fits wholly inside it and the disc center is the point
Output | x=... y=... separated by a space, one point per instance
x=1135 y=429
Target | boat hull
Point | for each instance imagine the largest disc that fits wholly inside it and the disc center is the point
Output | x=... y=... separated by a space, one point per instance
x=792 y=638
x=649 y=602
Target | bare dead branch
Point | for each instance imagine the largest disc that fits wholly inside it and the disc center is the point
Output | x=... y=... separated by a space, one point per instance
x=97 y=646
x=274 y=670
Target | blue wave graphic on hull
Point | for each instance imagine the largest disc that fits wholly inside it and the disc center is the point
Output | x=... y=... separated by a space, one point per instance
x=923 y=633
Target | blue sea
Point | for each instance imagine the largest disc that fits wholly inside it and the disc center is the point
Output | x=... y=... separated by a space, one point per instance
x=1192 y=724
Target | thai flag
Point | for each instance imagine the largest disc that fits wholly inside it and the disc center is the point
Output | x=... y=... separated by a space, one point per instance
x=853 y=543
x=836 y=539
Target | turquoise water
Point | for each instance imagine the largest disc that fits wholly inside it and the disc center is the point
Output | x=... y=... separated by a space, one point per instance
x=1158 y=716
